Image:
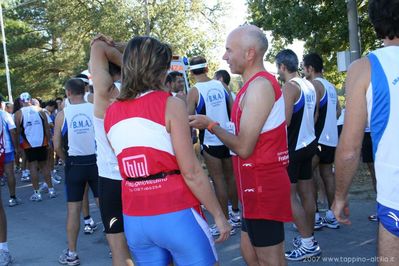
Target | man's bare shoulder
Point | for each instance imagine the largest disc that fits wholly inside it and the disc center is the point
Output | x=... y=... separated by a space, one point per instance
x=258 y=93
x=291 y=85
x=260 y=85
x=360 y=67
x=358 y=76
x=317 y=84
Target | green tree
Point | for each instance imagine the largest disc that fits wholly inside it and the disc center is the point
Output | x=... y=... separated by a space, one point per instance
x=48 y=40
x=323 y=25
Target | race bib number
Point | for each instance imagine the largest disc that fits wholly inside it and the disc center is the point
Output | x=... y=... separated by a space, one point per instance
x=231 y=128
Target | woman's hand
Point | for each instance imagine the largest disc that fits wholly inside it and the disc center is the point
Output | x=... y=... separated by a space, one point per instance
x=224 y=228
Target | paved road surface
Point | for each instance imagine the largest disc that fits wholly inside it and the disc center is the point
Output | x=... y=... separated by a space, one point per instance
x=36 y=235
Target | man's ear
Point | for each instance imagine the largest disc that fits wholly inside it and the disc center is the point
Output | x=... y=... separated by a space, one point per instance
x=250 y=54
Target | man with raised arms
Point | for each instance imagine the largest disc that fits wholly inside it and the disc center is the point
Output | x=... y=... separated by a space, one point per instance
x=103 y=51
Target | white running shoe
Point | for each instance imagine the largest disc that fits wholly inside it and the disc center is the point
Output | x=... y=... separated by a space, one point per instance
x=52 y=194
x=13 y=202
x=43 y=188
x=36 y=197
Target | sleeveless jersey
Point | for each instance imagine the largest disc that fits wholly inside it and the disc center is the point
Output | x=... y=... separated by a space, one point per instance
x=79 y=130
x=326 y=125
x=2 y=148
x=32 y=124
x=137 y=132
x=301 y=129
x=107 y=163
x=341 y=118
x=383 y=117
x=8 y=124
x=262 y=181
x=213 y=102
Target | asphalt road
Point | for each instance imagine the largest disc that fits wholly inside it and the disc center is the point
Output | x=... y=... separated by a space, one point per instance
x=36 y=235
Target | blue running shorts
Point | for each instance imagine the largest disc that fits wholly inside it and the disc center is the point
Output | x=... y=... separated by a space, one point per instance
x=9 y=157
x=182 y=237
x=389 y=218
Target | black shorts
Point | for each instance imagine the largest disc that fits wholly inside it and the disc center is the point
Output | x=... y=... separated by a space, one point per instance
x=367 y=148
x=300 y=165
x=220 y=152
x=263 y=233
x=36 y=154
x=110 y=199
x=80 y=170
x=326 y=154
x=339 y=130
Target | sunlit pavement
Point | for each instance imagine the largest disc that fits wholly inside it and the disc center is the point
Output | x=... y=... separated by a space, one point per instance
x=36 y=235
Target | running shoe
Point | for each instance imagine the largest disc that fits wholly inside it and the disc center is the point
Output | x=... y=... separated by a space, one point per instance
x=17 y=169
x=5 y=258
x=330 y=222
x=36 y=197
x=52 y=194
x=235 y=218
x=56 y=176
x=25 y=176
x=67 y=259
x=318 y=224
x=297 y=241
x=301 y=252
x=54 y=180
x=373 y=218
x=25 y=179
x=89 y=228
x=43 y=188
x=13 y=202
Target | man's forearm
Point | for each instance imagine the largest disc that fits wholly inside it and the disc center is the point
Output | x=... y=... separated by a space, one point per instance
x=228 y=139
x=346 y=164
x=14 y=139
x=60 y=153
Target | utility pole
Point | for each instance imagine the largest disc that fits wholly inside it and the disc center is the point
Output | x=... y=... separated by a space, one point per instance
x=5 y=56
x=5 y=48
x=147 y=19
x=354 y=34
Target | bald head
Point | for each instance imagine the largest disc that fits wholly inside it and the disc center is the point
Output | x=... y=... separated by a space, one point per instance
x=251 y=36
x=245 y=49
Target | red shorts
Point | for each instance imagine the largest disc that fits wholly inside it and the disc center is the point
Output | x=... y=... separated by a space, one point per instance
x=264 y=193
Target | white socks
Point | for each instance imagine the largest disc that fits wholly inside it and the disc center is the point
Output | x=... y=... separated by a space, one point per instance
x=308 y=242
x=4 y=246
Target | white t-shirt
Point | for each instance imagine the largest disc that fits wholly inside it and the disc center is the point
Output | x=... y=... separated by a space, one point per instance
x=8 y=124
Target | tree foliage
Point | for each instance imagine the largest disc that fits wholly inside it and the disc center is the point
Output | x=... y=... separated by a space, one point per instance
x=323 y=25
x=48 y=40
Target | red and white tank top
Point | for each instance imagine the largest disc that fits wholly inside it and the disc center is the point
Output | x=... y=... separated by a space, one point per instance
x=271 y=148
x=137 y=133
x=262 y=181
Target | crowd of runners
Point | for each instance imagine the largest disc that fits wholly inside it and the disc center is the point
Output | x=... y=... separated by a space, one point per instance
x=127 y=129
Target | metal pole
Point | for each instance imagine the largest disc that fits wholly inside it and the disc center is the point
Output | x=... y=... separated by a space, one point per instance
x=5 y=56
x=147 y=19
x=354 y=38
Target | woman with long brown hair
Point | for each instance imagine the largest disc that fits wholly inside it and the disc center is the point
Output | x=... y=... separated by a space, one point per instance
x=163 y=182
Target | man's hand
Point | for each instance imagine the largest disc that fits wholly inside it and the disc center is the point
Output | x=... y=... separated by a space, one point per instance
x=199 y=121
x=341 y=210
